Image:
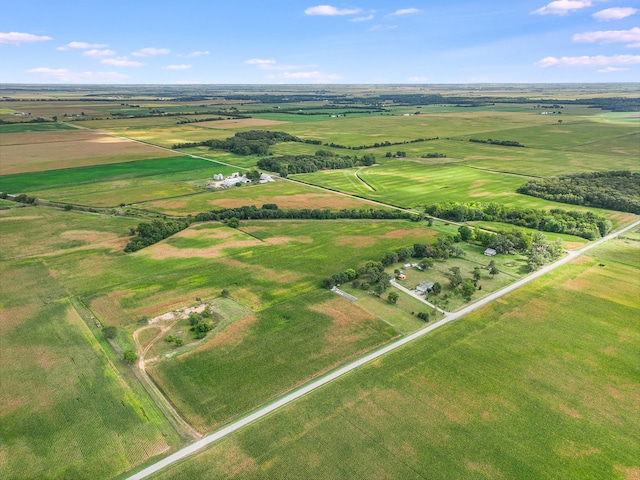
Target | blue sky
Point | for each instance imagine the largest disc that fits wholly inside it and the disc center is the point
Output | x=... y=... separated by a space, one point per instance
x=298 y=41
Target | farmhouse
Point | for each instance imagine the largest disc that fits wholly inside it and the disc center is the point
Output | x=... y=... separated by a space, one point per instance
x=490 y=252
x=423 y=287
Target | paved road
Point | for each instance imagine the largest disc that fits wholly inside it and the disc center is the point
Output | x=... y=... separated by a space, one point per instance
x=313 y=385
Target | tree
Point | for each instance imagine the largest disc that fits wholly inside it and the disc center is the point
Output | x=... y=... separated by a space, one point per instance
x=465 y=233
x=130 y=357
x=392 y=297
x=455 y=278
x=468 y=289
x=233 y=222
x=493 y=270
x=476 y=275
x=436 y=289
x=224 y=293
x=110 y=332
x=423 y=316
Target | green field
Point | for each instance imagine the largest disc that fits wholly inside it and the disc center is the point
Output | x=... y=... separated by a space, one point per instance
x=33 y=127
x=110 y=185
x=542 y=384
x=67 y=411
x=267 y=354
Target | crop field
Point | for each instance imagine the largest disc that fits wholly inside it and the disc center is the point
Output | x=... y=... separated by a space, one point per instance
x=111 y=185
x=283 y=193
x=35 y=151
x=260 y=356
x=31 y=232
x=165 y=136
x=65 y=410
x=542 y=384
x=32 y=127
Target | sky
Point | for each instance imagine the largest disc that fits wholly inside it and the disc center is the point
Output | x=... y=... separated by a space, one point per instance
x=313 y=42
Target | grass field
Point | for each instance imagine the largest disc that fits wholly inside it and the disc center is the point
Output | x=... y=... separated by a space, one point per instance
x=282 y=193
x=541 y=384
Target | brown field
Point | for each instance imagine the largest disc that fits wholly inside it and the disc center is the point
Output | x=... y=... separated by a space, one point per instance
x=69 y=149
x=239 y=123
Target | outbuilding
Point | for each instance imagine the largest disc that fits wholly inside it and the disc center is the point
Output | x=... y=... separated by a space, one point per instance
x=490 y=252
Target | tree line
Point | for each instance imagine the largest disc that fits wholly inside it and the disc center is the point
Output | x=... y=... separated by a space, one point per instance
x=253 y=142
x=613 y=190
x=504 y=143
x=148 y=233
x=322 y=160
x=582 y=224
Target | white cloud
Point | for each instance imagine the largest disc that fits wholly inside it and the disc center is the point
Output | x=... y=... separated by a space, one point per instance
x=197 y=54
x=631 y=37
x=562 y=7
x=382 y=28
x=418 y=79
x=328 y=10
x=81 y=46
x=362 y=19
x=264 y=64
x=64 y=75
x=95 y=53
x=586 y=61
x=615 y=13
x=16 y=38
x=406 y=11
x=315 y=76
x=612 y=69
x=151 y=52
x=121 y=62
x=260 y=61
x=177 y=67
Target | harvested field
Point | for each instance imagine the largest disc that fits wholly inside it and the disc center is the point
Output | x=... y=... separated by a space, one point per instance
x=38 y=151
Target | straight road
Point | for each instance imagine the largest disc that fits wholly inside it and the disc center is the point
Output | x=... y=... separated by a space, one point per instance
x=315 y=384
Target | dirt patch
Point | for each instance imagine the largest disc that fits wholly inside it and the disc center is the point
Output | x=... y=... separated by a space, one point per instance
x=405 y=233
x=161 y=251
x=234 y=334
x=216 y=233
x=630 y=473
x=13 y=316
x=24 y=217
x=239 y=123
x=262 y=273
x=346 y=315
x=286 y=240
x=235 y=463
x=485 y=469
x=570 y=411
x=575 y=451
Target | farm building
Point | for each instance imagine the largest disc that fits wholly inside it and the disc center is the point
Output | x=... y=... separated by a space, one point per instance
x=218 y=176
x=423 y=287
x=264 y=178
x=490 y=252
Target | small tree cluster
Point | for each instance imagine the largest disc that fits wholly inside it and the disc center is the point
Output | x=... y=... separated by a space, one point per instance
x=201 y=322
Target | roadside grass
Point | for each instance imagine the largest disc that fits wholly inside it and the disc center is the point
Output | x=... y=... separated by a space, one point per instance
x=274 y=351
x=283 y=193
x=66 y=411
x=624 y=251
x=540 y=384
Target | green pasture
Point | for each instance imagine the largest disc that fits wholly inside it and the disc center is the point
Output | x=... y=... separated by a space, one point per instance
x=541 y=384
x=66 y=411
x=623 y=251
x=284 y=345
x=240 y=161
x=34 y=127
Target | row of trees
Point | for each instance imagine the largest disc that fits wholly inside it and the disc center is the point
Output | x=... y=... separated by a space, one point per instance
x=614 y=190
x=272 y=212
x=583 y=224
x=148 y=233
x=504 y=143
